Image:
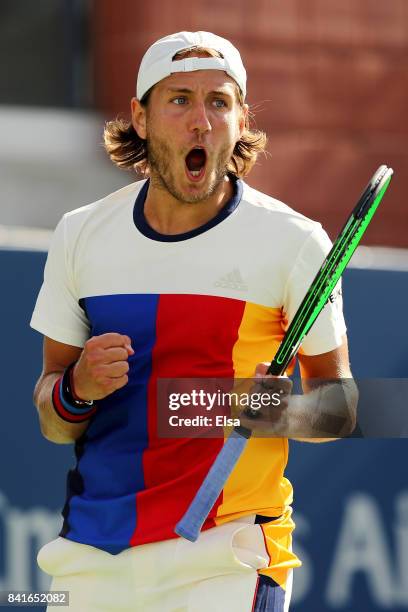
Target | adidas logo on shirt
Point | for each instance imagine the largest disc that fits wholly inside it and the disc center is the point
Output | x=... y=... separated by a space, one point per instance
x=233 y=280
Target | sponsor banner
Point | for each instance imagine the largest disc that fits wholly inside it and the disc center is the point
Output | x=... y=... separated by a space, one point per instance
x=351 y=515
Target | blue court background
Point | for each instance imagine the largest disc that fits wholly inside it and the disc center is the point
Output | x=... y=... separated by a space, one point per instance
x=351 y=497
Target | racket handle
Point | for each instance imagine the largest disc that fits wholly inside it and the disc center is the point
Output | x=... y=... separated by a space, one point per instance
x=189 y=526
x=275 y=369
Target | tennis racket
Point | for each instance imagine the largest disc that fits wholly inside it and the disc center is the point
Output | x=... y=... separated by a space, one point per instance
x=316 y=297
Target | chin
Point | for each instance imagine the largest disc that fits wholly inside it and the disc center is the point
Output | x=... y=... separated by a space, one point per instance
x=196 y=197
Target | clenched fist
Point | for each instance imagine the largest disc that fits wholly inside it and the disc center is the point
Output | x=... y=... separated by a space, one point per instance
x=103 y=366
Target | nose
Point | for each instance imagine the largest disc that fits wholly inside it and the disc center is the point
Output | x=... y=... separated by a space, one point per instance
x=198 y=120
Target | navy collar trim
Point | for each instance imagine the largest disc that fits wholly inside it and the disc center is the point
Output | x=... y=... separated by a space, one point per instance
x=145 y=229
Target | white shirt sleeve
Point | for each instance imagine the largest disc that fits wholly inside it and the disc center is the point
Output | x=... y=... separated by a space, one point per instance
x=57 y=313
x=327 y=331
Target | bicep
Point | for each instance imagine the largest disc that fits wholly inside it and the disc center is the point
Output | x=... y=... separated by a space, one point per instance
x=333 y=364
x=57 y=356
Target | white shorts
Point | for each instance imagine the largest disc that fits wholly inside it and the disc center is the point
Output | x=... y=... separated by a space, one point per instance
x=216 y=573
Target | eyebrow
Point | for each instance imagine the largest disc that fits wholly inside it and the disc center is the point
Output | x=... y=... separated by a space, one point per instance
x=217 y=92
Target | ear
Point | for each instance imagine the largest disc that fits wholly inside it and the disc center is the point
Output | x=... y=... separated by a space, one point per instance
x=243 y=118
x=138 y=118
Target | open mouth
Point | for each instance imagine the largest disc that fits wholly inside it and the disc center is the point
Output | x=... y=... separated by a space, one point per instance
x=195 y=163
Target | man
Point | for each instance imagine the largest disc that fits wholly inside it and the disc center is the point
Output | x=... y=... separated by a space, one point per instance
x=187 y=274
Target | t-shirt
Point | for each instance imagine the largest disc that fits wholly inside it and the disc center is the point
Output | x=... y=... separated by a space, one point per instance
x=212 y=302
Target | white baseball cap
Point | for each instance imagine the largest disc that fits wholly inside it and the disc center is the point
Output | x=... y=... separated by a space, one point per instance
x=157 y=63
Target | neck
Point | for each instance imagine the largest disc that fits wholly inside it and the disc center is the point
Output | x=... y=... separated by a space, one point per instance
x=168 y=215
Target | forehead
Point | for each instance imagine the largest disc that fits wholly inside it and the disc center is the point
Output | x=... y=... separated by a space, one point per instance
x=203 y=81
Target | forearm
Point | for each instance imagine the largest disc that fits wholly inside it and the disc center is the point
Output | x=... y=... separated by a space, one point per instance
x=327 y=411
x=53 y=427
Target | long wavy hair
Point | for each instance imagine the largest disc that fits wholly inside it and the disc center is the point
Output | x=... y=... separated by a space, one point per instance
x=127 y=150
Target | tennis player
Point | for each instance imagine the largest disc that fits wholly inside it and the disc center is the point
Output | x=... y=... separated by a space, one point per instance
x=188 y=273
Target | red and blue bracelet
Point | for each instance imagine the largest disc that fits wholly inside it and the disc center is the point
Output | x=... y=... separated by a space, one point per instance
x=66 y=403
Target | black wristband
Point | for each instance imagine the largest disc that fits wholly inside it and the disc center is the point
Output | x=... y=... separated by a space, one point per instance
x=68 y=392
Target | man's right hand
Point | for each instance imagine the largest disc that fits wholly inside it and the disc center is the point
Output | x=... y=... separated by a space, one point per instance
x=103 y=366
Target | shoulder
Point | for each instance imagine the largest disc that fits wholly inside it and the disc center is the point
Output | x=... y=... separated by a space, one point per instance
x=85 y=219
x=277 y=218
x=121 y=197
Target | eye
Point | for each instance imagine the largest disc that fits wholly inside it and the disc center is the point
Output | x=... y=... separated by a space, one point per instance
x=220 y=103
x=180 y=100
